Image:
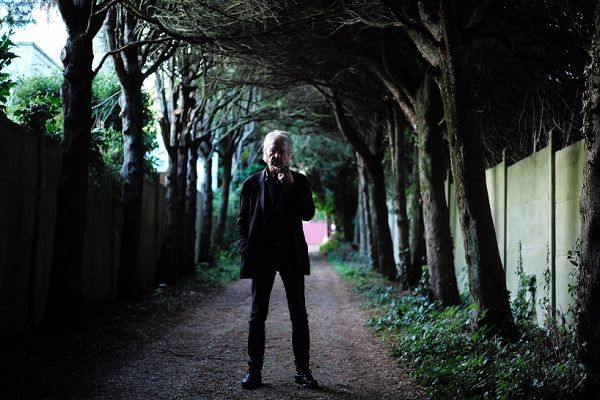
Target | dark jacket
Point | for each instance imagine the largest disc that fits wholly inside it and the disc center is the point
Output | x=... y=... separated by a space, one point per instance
x=250 y=228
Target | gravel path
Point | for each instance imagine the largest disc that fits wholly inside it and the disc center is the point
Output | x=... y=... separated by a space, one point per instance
x=202 y=355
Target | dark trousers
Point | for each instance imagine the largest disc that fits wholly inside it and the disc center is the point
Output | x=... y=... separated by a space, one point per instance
x=261 y=293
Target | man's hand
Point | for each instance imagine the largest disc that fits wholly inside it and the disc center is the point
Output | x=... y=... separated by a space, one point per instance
x=283 y=175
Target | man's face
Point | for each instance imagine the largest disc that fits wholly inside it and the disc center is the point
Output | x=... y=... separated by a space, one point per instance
x=276 y=154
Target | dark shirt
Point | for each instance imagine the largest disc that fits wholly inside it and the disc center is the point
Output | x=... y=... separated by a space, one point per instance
x=278 y=241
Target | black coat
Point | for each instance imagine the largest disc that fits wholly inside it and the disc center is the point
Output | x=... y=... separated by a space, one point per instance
x=250 y=227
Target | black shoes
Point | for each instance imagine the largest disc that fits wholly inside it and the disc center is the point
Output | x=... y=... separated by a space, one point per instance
x=252 y=380
x=305 y=379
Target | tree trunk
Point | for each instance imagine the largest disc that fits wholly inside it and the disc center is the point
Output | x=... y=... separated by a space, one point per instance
x=132 y=106
x=385 y=249
x=121 y=30
x=359 y=228
x=442 y=278
x=486 y=276
x=182 y=233
x=169 y=256
x=191 y=194
x=397 y=149
x=371 y=243
x=374 y=167
x=223 y=208
x=207 y=211
x=588 y=324
x=65 y=297
x=416 y=235
x=345 y=198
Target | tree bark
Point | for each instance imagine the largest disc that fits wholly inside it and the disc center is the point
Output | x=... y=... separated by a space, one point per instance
x=420 y=106
x=181 y=203
x=371 y=244
x=398 y=161
x=227 y=160
x=169 y=256
x=385 y=248
x=442 y=278
x=204 y=255
x=486 y=275
x=132 y=106
x=345 y=198
x=65 y=294
x=374 y=167
x=588 y=323
x=120 y=28
x=191 y=207
x=417 y=229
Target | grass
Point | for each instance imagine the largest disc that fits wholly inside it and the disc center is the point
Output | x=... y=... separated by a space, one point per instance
x=226 y=269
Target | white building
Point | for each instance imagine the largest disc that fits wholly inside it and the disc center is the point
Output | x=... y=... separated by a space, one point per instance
x=31 y=61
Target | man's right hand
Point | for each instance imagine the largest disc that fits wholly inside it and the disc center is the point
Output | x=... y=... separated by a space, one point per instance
x=284 y=175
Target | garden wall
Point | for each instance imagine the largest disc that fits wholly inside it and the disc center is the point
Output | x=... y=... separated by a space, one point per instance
x=28 y=185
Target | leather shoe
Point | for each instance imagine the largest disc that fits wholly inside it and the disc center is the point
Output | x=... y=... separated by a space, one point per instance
x=252 y=380
x=305 y=379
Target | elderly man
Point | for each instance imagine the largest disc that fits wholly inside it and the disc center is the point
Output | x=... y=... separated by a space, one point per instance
x=273 y=203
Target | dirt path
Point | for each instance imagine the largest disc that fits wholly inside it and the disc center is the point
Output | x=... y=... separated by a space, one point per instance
x=202 y=356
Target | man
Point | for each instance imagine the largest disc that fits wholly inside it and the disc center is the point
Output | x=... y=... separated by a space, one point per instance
x=273 y=203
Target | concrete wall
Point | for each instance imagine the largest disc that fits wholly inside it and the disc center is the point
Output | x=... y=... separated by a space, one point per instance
x=528 y=220
x=535 y=208
x=568 y=183
x=23 y=286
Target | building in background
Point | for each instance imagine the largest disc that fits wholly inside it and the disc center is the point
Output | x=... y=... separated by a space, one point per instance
x=31 y=61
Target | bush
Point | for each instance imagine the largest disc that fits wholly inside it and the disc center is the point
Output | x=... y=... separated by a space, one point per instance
x=333 y=243
x=226 y=269
x=37 y=91
x=453 y=360
x=6 y=57
x=107 y=141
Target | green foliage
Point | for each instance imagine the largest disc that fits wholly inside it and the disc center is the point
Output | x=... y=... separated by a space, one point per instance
x=6 y=57
x=337 y=250
x=17 y=13
x=574 y=257
x=333 y=243
x=105 y=102
x=523 y=305
x=452 y=360
x=225 y=270
x=38 y=91
x=32 y=92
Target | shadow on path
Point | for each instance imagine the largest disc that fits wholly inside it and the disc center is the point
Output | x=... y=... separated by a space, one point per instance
x=202 y=354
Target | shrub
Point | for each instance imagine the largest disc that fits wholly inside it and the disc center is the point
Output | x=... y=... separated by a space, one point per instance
x=332 y=244
x=453 y=360
x=226 y=269
x=37 y=91
x=32 y=92
x=6 y=57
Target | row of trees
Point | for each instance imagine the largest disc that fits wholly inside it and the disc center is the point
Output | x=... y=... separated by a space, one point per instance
x=205 y=108
x=453 y=74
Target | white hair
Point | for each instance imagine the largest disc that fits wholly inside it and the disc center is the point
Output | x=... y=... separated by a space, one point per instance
x=275 y=135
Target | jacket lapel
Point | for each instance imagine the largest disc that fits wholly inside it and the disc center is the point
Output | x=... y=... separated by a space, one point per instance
x=261 y=190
